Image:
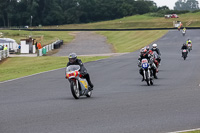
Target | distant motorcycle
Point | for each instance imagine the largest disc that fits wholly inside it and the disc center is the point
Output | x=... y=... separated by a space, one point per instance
x=184 y=53
x=79 y=86
x=189 y=47
x=147 y=72
x=183 y=32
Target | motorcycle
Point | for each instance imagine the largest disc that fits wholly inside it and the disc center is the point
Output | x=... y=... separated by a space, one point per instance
x=156 y=59
x=189 y=47
x=183 y=32
x=184 y=53
x=79 y=85
x=147 y=72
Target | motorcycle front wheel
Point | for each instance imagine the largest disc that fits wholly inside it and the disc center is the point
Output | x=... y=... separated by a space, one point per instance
x=148 y=78
x=75 y=91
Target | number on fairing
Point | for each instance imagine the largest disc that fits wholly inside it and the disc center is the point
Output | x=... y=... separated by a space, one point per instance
x=145 y=65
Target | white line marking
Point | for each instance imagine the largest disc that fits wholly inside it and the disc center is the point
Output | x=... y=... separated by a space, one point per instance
x=30 y=75
x=185 y=130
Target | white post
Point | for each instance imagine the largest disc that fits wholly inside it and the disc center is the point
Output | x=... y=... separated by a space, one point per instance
x=8 y=53
x=40 y=52
x=34 y=50
x=0 y=55
x=47 y=48
x=4 y=54
x=52 y=45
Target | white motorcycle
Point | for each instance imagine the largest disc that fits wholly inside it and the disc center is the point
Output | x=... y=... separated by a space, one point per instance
x=183 y=32
x=147 y=72
x=79 y=85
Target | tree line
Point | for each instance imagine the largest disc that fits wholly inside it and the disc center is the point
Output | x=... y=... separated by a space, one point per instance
x=189 y=5
x=58 y=12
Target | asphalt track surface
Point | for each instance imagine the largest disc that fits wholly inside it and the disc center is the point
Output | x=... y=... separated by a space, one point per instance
x=121 y=103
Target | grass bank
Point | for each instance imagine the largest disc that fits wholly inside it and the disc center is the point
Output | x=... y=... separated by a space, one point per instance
x=198 y=131
x=17 y=67
x=129 y=41
x=46 y=37
x=136 y=21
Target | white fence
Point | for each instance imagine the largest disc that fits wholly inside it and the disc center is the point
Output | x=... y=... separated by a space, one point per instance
x=4 y=54
x=47 y=48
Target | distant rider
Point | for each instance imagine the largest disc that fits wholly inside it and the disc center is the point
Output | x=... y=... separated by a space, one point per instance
x=184 y=47
x=157 y=51
x=189 y=42
x=74 y=61
x=184 y=29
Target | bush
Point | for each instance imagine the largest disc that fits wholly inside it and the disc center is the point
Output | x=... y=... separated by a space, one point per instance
x=195 y=11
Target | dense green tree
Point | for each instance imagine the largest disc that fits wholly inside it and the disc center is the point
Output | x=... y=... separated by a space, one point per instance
x=190 y=5
x=56 y=12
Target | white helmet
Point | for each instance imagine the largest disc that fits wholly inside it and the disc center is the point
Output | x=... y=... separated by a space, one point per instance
x=154 y=45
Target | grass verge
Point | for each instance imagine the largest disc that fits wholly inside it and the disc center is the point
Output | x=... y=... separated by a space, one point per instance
x=129 y=41
x=198 y=131
x=17 y=67
x=136 y=21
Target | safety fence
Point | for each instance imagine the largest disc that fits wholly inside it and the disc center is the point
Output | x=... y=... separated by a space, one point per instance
x=47 y=48
x=4 y=54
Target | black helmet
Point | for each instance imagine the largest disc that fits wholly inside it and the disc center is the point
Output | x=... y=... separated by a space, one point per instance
x=184 y=44
x=72 y=57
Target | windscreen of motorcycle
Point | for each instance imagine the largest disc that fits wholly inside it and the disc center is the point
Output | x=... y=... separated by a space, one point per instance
x=72 y=68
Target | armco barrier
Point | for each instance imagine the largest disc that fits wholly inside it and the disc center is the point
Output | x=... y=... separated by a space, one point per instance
x=3 y=54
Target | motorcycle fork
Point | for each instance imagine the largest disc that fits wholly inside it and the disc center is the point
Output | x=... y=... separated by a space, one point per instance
x=144 y=73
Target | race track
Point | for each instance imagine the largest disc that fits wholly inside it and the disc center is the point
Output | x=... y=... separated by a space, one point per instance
x=120 y=103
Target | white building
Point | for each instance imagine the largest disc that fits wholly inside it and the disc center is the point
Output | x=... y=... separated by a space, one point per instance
x=11 y=43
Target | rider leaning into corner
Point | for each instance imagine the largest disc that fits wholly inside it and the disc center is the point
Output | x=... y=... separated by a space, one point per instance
x=157 y=51
x=74 y=61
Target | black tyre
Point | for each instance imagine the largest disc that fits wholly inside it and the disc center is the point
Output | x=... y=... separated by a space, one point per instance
x=147 y=78
x=89 y=94
x=151 y=81
x=75 y=91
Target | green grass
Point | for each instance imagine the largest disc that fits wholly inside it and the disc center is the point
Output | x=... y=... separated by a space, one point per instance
x=129 y=41
x=17 y=67
x=136 y=21
x=198 y=131
x=48 y=36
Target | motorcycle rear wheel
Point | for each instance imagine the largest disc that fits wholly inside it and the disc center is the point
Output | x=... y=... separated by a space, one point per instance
x=89 y=94
x=75 y=91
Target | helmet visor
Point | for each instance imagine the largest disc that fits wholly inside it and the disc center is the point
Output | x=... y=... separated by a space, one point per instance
x=72 y=60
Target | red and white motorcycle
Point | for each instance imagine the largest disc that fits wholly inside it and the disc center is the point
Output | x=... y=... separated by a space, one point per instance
x=79 y=85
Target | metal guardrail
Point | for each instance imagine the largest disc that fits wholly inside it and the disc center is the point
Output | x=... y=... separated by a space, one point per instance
x=4 y=54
